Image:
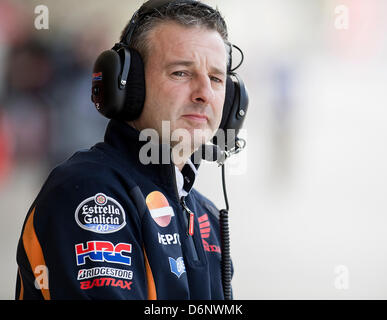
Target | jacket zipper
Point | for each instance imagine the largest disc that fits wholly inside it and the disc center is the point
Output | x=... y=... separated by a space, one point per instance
x=188 y=217
x=189 y=221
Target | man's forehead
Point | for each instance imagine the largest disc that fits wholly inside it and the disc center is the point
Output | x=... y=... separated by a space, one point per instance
x=175 y=43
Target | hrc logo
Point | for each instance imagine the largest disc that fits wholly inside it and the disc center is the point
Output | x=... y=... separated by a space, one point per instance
x=103 y=251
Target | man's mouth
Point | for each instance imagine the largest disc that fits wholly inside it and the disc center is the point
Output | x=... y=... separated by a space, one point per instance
x=196 y=117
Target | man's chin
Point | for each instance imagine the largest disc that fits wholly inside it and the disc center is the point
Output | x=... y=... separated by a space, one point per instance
x=186 y=134
x=200 y=133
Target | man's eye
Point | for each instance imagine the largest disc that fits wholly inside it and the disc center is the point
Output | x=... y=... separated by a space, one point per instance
x=215 y=79
x=179 y=73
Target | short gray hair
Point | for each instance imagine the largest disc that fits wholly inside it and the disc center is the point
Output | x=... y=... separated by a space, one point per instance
x=185 y=14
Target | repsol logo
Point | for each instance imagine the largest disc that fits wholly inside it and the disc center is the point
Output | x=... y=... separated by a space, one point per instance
x=167 y=239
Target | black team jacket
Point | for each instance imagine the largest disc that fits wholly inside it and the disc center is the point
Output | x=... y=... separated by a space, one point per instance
x=107 y=226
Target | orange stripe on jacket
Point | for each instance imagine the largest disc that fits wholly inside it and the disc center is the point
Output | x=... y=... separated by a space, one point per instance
x=33 y=249
x=21 y=293
x=151 y=282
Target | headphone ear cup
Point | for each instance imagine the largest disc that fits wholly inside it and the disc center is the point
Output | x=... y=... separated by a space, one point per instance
x=234 y=112
x=135 y=88
x=109 y=96
x=106 y=95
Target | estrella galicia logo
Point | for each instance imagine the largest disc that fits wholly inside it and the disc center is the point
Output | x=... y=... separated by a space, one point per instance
x=177 y=266
x=100 y=214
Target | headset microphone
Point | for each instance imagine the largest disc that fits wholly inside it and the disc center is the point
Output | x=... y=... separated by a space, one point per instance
x=212 y=152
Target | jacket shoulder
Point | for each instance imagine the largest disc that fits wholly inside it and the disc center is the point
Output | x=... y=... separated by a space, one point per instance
x=91 y=165
x=83 y=175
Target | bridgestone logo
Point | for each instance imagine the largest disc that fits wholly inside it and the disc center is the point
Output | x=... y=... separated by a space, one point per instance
x=104 y=271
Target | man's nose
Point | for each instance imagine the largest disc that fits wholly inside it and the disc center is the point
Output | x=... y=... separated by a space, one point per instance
x=202 y=92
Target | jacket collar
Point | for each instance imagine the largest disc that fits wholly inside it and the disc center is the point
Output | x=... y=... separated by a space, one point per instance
x=126 y=140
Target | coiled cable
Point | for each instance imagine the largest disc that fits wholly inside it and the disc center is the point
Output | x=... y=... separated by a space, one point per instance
x=225 y=243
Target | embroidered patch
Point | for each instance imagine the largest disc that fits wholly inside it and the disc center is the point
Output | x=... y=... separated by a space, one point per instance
x=177 y=266
x=100 y=214
x=103 y=251
x=159 y=208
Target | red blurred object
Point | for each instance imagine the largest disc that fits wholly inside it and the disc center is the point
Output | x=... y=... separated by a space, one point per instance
x=5 y=150
x=14 y=20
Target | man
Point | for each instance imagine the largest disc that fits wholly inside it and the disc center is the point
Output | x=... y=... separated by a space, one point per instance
x=107 y=225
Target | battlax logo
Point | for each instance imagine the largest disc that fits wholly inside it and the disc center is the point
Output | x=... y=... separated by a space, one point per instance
x=100 y=214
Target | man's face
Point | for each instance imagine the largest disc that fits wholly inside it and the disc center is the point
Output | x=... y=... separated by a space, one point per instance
x=185 y=76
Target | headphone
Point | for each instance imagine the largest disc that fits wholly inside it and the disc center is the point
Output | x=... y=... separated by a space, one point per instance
x=118 y=82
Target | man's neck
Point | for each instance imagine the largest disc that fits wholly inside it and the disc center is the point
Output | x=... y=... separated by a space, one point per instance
x=181 y=162
x=180 y=166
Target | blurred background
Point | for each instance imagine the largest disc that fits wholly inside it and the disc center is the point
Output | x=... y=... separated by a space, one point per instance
x=307 y=196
